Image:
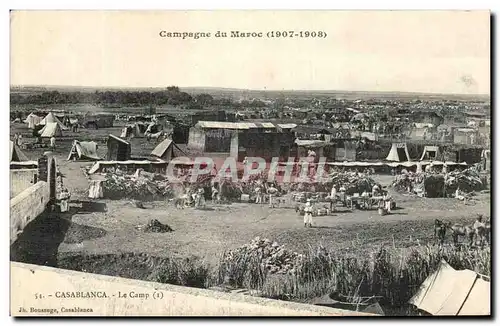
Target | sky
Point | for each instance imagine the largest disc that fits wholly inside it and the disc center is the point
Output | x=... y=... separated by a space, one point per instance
x=405 y=51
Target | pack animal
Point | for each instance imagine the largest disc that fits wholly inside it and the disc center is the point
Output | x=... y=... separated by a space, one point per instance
x=465 y=231
x=440 y=230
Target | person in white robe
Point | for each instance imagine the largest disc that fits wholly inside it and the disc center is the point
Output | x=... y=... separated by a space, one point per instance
x=308 y=209
x=53 y=142
x=333 y=198
x=64 y=197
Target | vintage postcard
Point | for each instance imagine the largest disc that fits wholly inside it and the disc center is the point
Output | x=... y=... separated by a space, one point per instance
x=250 y=163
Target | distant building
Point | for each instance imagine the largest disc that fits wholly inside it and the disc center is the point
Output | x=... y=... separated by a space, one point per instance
x=97 y=121
x=240 y=139
x=465 y=136
x=219 y=115
x=431 y=117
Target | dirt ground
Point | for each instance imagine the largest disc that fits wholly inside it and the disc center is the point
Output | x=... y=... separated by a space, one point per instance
x=207 y=233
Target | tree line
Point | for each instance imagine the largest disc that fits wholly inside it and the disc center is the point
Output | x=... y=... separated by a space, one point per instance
x=171 y=96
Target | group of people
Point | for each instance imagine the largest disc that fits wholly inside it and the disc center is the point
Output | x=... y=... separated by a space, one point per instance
x=191 y=197
x=261 y=190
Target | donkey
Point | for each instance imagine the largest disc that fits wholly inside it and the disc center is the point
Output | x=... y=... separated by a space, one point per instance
x=440 y=230
x=465 y=231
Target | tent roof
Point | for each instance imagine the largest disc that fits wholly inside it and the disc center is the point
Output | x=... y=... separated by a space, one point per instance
x=85 y=150
x=51 y=118
x=16 y=154
x=118 y=139
x=162 y=147
x=451 y=292
x=393 y=153
x=393 y=164
x=50 y=130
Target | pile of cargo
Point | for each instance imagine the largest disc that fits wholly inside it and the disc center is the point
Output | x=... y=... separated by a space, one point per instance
x=353 y=182
x=467 y=180
x=435 y=185
x=273 y=258
x=408 y=181
x=143 y=186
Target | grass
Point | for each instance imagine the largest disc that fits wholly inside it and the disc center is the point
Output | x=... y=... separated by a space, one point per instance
x=393 y=275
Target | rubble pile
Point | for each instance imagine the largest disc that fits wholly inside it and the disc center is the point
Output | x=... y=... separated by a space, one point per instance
x=275 y=259
x=141 y=187
x=156 y=226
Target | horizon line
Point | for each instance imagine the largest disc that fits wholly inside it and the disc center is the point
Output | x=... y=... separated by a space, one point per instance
x=255 y=90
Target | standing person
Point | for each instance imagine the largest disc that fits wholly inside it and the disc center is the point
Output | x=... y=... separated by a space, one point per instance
x=20 y=140
x=342 y=194
x=388 y=202
x=308 y=209
x=53 y=142
x=16 y=138
x=64 y=197
x=199 y=199
x=215 y=194
x=258 y=194
x=271 y=191
x=333 y=198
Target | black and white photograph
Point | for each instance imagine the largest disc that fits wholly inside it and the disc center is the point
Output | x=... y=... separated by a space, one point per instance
x=250 y=163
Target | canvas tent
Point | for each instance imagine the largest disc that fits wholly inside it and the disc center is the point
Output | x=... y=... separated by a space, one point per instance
x=398 y=153
x=166 y=150
x=51 y=118
x=431 y=153
x=448 y=292
x=83 y=151
x=16 y=155
x=32 y=120
x=137 y=130
x=51 y=130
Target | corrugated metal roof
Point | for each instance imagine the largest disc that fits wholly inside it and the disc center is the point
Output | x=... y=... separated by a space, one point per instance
x=309 y=142
x=287 y=125
x=234 y=125
x=222 y=125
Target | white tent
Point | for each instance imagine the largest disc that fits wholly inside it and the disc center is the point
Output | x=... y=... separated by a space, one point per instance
x=398 y=153
x=51 y=130
x=16 y=155
x=448 y=292
x=32 y=120
x=51 y=118
x=167 y=150
x=83 y=151
x=431 y=153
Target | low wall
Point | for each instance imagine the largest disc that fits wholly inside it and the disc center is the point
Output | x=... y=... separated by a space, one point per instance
x=21 y=179
x=26 y=206
x=142 y=298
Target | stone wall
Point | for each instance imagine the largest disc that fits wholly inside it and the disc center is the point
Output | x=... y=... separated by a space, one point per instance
x=26 y=206
x=142 y=298
x=21 y=179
